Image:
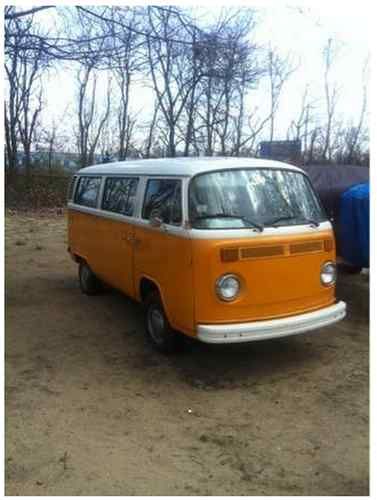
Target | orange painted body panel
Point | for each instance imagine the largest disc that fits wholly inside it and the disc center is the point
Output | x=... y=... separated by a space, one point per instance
x=103 y=243
x=80 y=229
x=185 y=270
x=114 y=263
x=160 y=256
x=166 y=259
x=271 y=287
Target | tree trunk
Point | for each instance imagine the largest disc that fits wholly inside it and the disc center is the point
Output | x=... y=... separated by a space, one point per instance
x=27 y=158
x=150 y=132
x=171 y=146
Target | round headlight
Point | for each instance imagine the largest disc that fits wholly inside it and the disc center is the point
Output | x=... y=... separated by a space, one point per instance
x=228 y=287
x=328 y=273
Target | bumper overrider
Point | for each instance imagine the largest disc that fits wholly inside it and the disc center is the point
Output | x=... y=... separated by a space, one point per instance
x=275 y=328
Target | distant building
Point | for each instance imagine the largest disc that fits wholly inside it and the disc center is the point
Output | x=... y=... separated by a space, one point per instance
x=68 y=161
x=281 y=150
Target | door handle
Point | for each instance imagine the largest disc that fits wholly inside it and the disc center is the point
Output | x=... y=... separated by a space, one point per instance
x=131 y=238
x=126 y=237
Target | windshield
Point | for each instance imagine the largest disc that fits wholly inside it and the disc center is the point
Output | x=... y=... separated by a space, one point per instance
x=252 y=198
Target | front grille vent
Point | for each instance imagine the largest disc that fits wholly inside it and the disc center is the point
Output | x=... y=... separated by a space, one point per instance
x=232 y=254
x=329 y=245
x=309 y=246
x=249 y=253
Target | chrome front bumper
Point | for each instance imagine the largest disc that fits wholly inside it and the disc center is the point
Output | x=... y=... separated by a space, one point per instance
x=275 y=328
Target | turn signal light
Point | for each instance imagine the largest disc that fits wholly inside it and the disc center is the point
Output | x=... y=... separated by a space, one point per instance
x=229 y=254
x=328 y=245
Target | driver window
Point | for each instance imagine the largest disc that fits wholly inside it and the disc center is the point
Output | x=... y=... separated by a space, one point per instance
x=163 y=197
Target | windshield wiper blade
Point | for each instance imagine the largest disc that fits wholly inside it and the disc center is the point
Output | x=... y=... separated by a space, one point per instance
x=258 y=226
x=311 y=221
x=291 y=217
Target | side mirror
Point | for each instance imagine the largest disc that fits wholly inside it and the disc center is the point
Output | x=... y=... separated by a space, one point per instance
x=155 y=219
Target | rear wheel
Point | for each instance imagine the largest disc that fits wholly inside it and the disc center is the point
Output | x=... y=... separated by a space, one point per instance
x=158 y=331
x=89 y=283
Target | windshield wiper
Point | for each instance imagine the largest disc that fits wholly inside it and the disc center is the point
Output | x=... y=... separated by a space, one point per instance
x=258 y=226
x=291 y=217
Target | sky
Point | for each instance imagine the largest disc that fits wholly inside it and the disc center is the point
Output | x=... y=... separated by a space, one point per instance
x=300 y=30
x=303 y=32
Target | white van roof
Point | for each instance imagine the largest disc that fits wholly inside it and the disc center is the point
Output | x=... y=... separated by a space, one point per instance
x=182 y=167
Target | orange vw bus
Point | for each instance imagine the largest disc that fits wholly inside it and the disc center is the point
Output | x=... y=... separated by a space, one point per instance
x=220 y=249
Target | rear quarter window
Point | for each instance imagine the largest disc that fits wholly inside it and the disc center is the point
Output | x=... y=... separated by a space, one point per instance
x=71 y=188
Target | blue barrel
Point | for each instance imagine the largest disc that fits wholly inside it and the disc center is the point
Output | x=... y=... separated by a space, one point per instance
x=354 y=225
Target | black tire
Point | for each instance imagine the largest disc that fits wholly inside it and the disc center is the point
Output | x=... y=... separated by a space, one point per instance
x=347 y=268
x=89 y=283
x=158 y=331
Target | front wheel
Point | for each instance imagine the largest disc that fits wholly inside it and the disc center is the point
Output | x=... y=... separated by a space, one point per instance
x=158 y=331
x=89 y=283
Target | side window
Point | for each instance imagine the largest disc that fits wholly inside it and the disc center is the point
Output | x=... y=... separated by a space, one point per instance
x=87 y=191
x=120 y=195
x=164 y=197
x=71 y=188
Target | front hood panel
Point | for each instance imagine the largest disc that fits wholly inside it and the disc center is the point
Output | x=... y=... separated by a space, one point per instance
x=280 y=276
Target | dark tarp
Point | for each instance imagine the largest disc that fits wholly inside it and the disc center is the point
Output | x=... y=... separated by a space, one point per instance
x=330 y=182
x=354 y=225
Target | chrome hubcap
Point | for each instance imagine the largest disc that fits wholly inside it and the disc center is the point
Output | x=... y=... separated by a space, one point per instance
x=156 y=324
x=84 y=275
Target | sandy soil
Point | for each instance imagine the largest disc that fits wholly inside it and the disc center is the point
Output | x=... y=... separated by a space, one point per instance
x=91 y=410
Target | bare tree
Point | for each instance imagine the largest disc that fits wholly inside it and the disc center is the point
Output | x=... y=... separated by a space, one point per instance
x=151 y=132
x=90 y=120
x=23 y=103
x=212 y=93
x=331 y=95
x=125 y=66
x=30 y=109
x=123 y=78
x=241 y=73
x=50 y=136
x=202 y=77
x=172 y=79
x=193 y=98
x=279 y=70
x=108 y=140
x=49 y=140
x=255 y=127
x=301 y=128
x=12 y=109
x=354 y=135
x=10 y=13
x=239 y=119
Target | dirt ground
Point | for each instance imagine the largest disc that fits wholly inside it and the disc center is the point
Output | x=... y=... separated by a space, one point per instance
x=91 y=410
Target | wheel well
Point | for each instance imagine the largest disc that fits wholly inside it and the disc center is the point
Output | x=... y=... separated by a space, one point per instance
x=146 y=287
